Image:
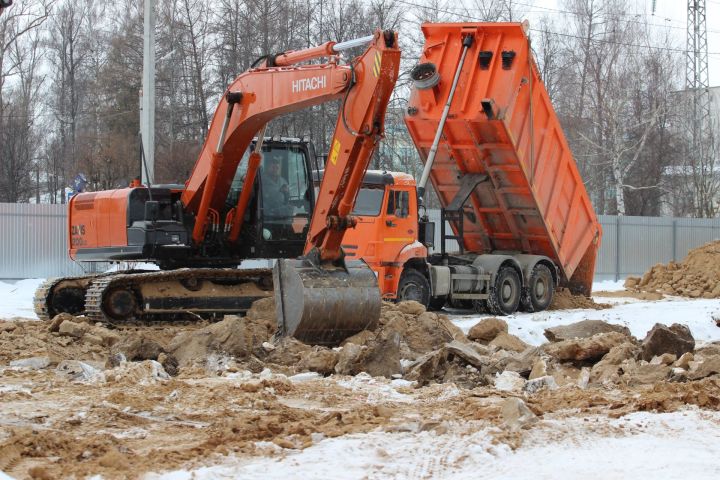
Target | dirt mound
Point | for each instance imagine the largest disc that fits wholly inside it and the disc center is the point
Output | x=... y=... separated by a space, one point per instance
x=697 y=276
x=565 y=300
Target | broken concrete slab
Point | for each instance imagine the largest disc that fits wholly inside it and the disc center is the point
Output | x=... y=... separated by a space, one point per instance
x=675 y=339
x=537 y=384
x=664 y=359
x=582 y=329
x=487 y=329
x=539 y=369
x=70 y=328
x=585 y=349
x=509 y=382
x=468 y=354
x=319 y=359
x=77 y=371
x=516 y=414
x=708 y=366
x=507 y=341
x=32 y=363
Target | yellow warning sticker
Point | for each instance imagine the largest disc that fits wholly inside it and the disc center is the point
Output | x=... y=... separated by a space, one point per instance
x=376 y=66
x=335 y=151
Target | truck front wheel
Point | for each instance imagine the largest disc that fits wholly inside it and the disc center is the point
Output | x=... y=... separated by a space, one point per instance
x=540 y=290
x=506 y=292
x=414 y=286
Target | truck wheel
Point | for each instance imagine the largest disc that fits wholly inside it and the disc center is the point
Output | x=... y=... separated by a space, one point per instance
x=414 y=286
x=437 y=303
x=540 y=290
x=505 y=294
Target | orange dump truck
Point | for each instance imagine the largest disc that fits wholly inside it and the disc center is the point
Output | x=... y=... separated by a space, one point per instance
x=496 y=155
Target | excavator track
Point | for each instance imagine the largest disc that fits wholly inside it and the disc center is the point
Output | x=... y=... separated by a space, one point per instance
x=62 y=295
x=175 y=295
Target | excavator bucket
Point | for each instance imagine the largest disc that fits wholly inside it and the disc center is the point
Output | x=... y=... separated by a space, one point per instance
x=324 y=306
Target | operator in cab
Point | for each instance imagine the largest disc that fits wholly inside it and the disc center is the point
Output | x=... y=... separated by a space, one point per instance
x=276 y=193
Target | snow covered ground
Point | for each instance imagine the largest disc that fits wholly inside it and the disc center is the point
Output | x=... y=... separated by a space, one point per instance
x=16 y=298
x=638 y=315
x=640 y=445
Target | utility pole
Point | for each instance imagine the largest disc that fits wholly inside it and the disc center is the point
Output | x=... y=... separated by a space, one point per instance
x=147 y=98
x=697 y=86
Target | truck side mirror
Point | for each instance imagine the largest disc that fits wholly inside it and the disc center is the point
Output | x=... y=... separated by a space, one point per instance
x=426 y=233
x=152 y=210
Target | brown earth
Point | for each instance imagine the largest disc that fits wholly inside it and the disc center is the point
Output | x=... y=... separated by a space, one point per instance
x=231 y=389
x=565 y=300
x=697 y=276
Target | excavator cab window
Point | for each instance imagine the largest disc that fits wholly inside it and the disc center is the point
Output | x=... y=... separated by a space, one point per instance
x=286 y=200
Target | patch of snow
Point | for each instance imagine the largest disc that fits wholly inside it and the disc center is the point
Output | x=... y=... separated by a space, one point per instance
x=18 y=298
x=641 y=445
x=638 y=316
x=377 y=390
x=123 y=266
x=304 y=377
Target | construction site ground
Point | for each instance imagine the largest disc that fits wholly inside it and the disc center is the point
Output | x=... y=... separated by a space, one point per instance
x=77 y=409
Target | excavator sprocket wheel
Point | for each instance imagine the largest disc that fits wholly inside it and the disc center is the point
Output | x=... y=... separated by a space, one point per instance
x=324 y=306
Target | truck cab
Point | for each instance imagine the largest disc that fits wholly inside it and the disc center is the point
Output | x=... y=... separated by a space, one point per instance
x=386 y=235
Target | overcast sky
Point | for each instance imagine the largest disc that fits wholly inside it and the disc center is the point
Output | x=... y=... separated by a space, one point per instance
x=670 y=14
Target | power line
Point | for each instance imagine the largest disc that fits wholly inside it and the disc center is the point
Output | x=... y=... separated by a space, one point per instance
x=611 y=42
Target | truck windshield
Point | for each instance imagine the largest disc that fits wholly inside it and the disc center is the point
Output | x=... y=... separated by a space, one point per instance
x=369 y=202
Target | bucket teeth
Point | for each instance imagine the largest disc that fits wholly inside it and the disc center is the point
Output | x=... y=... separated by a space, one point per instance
x=322 y=306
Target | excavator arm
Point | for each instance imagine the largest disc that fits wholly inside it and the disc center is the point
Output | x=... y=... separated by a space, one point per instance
x=337 y=299
x=322 y=298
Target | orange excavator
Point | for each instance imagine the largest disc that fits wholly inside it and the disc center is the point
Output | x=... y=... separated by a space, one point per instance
x=198 y=233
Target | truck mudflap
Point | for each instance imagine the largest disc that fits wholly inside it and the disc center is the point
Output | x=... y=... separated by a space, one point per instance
x=325 y=305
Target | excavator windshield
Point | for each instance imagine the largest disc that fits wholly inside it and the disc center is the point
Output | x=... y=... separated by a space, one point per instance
x=285 y=203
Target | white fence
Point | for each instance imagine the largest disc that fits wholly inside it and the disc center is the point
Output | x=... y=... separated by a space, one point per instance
x=34 y=242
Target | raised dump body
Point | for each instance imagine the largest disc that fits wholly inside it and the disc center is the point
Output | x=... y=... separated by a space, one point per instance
x=527 y=195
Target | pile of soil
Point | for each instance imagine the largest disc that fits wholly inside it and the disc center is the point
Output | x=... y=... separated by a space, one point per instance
x=697 y=276
x=563 y=299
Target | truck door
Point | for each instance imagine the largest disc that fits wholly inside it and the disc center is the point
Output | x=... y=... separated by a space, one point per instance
x=400 y=226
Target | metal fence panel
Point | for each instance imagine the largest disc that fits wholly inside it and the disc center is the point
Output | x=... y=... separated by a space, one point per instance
x=34 y=242
x=631 y=245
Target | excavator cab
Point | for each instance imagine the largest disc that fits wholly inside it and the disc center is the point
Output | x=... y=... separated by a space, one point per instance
x=283 y=198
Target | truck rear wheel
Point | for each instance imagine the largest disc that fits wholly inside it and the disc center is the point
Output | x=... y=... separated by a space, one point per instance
x=540 y=290
x=414 y=286
x=505 y=293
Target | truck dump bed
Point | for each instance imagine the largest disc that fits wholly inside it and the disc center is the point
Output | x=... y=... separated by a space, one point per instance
x=533 y=199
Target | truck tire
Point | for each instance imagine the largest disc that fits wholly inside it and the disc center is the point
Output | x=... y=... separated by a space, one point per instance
x=414 y=286
x=541 y=288
x=437 y=303
x=505 y=293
